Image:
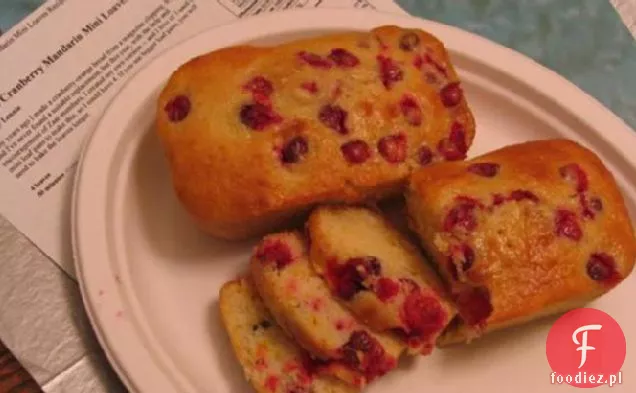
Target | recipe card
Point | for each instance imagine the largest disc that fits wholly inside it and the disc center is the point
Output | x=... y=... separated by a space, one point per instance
x=60 y=68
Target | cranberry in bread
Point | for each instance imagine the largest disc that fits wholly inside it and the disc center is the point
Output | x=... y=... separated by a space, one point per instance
x=255 y=136
x=302 y=305
x=525 y=231
x=378 y=274
x=271 y=361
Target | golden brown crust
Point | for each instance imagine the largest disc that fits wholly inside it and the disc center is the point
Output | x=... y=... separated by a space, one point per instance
x=230 y=178
x=531 y=256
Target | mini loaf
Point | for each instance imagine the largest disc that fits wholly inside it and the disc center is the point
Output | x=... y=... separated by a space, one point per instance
x=378 y=275
x=522 y=232
x=271 y=361
x=255 y=136
x=302 y=305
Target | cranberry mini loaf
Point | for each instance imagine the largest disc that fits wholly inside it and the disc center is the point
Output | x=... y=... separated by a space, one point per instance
x=255 y=136
x=302 y=305
x=377 y=274
x=271 y=361
x=526 y=231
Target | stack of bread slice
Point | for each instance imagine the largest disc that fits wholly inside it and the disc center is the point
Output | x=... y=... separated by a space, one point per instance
x=334 y=308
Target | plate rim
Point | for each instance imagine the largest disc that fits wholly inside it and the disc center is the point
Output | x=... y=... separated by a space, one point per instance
x=253 y=28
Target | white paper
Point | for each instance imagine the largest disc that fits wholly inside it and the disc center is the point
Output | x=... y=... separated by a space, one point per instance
x=60 y=68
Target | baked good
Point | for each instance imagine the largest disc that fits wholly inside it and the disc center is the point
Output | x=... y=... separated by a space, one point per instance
x=255 y=136
x=378 y=274
x=271 y=361
x=302 y=305
x=525 y=231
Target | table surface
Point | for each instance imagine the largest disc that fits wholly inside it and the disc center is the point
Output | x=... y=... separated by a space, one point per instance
x=42 y=321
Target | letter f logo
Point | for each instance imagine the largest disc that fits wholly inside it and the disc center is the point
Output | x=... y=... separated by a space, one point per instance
x=583 y=344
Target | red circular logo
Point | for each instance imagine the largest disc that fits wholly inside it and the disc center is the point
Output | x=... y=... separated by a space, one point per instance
x=586 y=348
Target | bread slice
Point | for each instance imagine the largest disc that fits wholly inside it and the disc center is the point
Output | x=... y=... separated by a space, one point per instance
x=526 y=231
x=302 y=304
x=378 y=274
x=271 y=361
x=256 y=136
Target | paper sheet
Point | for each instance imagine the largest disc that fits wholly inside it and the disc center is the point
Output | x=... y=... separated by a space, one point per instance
x=61 y=67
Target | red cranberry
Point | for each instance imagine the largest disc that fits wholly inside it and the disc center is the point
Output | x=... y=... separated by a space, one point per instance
x=348 y=278
x=485 y=169
x=371 y=264
x=596 y=204
x=347 y=282
x=178 y=108
x=498 y=199
x=390 y=71
x=275 y=251
x=294 y=150
x=567 y=225
x=474 y=305
x=409 y=41
x=343 y=58
x=258 y=116
x=423 y=315
x=424 y=155
x=386 y=289
x=451 y=94
x=311 y=87
x=418 y=62
x=411 y=110
x=590 y=207
x=271 y=383
x=602 y=267
x=314 y=60
x=312 y=366
x=356 y=151
x=462 y=216
x=364 y=352
x=334 y=117
x=361 y=341
x=393 y=148
x=574 y=174
x=259 y=85
x=520 y=195
x=454 y=147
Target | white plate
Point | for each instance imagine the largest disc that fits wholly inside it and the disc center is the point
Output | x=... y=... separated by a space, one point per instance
x=150 y=281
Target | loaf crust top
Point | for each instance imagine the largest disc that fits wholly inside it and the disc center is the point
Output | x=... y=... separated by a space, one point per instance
x=524 y=231
x=255 y=134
